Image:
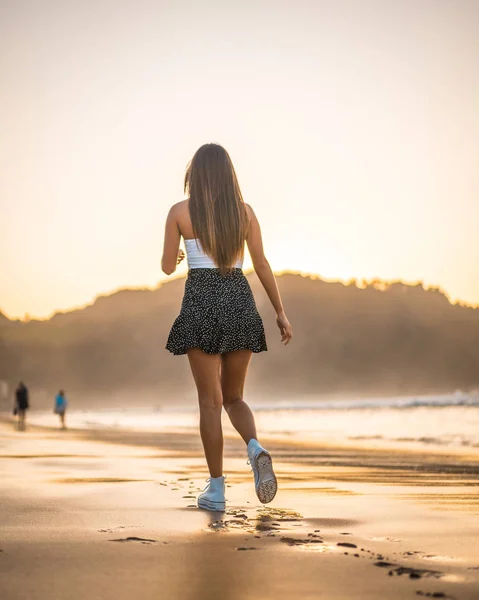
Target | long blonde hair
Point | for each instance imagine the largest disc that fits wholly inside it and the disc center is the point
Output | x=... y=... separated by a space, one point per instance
x=217 y=209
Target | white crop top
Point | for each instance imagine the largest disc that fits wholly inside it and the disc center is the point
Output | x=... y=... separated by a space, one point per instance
x=197 y=259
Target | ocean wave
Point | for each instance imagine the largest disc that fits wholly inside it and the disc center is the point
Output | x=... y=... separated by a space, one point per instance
x=452 y=400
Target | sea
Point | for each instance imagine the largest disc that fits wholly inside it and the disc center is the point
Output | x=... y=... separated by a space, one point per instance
x=445 y=421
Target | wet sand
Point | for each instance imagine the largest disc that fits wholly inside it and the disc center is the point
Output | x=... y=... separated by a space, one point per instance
x=110 y=514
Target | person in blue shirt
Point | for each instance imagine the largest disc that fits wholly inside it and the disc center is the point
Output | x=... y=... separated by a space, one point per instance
x=61 y=407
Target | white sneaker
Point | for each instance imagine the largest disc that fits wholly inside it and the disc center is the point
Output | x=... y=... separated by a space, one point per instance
x=213 y=496
x=264 y=477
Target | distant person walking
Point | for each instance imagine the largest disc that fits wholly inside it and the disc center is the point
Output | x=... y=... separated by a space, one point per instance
x=21 y=405
x=61 y=407
x=219 y=327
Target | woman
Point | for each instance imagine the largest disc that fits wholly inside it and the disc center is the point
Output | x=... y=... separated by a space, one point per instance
x=61 y=407
x=219 y=327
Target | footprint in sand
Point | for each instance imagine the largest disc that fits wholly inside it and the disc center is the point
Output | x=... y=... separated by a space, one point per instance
x=299 y=542
x=434 y=595
x=135 y=539
x=416 y=573
x=267 y=520
x=438 y=558
x=118 y=528
x=413 y=573
x=237 y=514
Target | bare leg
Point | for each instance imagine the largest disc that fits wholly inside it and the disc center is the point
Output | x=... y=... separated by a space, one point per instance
x=234 y=368
x=206 y=373
x=21 y=420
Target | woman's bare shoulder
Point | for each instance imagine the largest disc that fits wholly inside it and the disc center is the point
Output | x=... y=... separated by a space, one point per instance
x=249 y=212
x=179 y=208
x=180 y=212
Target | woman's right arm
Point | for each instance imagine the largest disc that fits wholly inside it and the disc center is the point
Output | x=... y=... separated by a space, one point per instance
x=172 y=255
x=266 y=276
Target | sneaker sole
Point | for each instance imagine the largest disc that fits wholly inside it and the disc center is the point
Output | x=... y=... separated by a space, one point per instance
x=267 y=485
x=213 y=506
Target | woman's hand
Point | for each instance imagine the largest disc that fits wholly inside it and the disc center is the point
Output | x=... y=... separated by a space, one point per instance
x=285 y=328
x=181 y=256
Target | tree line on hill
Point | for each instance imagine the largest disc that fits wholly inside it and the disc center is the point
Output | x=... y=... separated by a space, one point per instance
x=377 y=338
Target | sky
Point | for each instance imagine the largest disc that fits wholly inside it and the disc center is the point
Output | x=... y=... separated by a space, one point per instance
x=353 y=127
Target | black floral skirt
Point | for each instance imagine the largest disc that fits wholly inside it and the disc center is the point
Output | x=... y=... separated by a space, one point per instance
x=218 y=315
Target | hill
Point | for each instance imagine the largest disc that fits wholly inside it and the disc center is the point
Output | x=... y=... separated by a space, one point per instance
x=379 y=338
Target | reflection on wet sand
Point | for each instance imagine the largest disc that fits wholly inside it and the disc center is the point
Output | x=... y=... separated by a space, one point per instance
x=345 y=523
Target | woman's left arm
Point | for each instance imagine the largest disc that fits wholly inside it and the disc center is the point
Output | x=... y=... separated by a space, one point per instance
x=172 y=255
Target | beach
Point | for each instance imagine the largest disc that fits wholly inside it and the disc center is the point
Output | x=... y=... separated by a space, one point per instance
x=109 y=513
